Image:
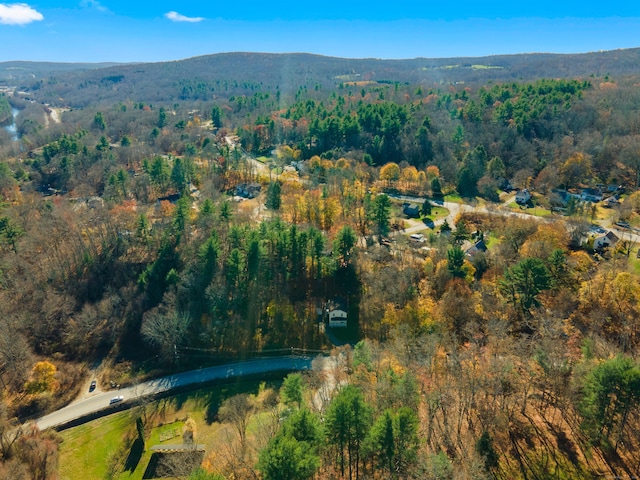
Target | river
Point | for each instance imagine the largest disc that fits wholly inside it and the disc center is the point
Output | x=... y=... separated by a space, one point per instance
x=12 y=128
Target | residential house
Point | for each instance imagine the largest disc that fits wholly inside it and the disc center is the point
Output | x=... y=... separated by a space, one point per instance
x=472 y=249
x=606 y=240
x=411 y=210
x=248 y=190
x=592 y=195
x=611 y=202
x=337 y=313
x=523 y=197
x=560 y=197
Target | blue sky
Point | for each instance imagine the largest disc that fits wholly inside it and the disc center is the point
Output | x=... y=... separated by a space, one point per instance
x=126 y=31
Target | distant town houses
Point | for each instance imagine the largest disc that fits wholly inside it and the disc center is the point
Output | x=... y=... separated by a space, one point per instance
x=561 y=197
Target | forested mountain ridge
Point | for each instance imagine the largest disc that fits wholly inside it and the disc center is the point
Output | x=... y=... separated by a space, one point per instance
x=223 y=75
x=19 y=71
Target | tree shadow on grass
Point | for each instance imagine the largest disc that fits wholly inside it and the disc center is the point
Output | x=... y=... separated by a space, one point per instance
x=219 y=395
x=150 y=472
x=135 y=454
x=429 y=222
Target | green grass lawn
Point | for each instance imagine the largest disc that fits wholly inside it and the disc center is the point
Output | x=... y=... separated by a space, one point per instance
x=536 y=211
x=86 y=450
x=437 y=213
x=92 y=450
x=634 y=262
x=454 y=198
x=491 y=240
x=539 y=211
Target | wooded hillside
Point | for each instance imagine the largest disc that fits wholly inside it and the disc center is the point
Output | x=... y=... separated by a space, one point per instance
x=170 y=216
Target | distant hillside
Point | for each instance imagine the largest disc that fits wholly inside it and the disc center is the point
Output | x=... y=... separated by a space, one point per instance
x=204 y=78
x=13 y=71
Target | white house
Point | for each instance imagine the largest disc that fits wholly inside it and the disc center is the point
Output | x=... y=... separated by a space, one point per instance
x=336 y=311
x=608 y=239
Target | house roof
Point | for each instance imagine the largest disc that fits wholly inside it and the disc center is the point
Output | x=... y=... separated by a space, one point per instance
x=610 y=237
x=473 y=248
x=412 y=209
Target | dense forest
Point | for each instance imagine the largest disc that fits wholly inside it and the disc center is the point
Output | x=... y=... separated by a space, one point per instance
x=194 y=218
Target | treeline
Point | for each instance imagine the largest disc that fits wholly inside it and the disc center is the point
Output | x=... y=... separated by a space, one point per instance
x=520 y=124
x=531 y=131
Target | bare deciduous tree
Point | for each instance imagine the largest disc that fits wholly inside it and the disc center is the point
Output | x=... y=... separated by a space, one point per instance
x=237 y=410
x=165 y=330
x=15 y=357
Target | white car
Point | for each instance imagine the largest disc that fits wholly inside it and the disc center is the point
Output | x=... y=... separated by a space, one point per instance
x=117 y=399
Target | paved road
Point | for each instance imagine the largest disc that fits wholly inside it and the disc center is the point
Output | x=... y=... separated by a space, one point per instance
x=456 y=208
x=100 y=401
x=630 y=235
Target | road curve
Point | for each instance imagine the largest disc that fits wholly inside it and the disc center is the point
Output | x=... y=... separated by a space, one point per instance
x=100 y=402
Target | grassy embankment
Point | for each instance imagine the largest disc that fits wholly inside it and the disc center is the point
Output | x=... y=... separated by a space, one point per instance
x=109 y=447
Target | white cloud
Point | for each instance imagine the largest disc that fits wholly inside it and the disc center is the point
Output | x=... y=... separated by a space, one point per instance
x=176 y=17
x=18 y=14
